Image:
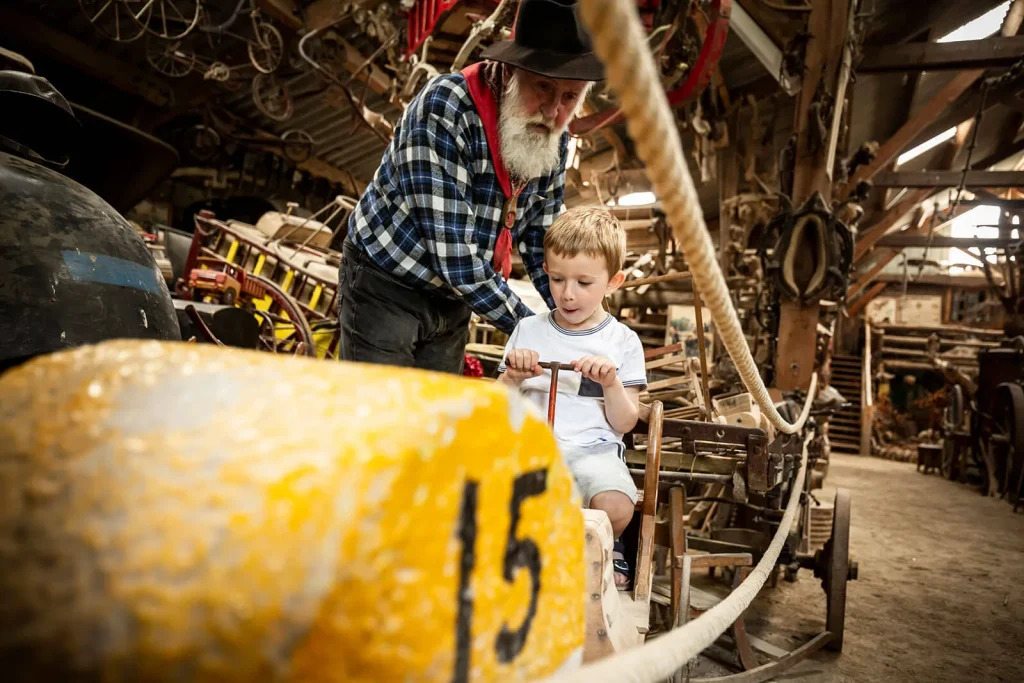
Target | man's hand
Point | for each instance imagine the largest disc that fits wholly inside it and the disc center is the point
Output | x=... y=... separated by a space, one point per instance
x=522 y=364
x=597 y=368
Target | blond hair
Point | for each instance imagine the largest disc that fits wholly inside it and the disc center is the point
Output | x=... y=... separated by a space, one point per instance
x=590 y=230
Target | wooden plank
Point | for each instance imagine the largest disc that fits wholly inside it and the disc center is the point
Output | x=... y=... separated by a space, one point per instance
x=683 y=462
x=708 y=560
x=964 y=54
x=668 y=360
x=666 y=383
x=609 y=624
x=663 y=350
x=924 y=115
x=939 y=179
x=798 y=335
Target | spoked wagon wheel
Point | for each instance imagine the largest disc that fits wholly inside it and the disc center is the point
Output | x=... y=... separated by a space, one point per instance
x=115 y=18
x=170 y=58
x=832 y=565
x=167 y=19
x=298 y=145
x=271 y=97
x=300 y=341
x=1011 y=429
x=954 y=419
x=267 y=50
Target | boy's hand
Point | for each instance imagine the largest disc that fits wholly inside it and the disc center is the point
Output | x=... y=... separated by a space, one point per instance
x=597 y=368
x=522 y=364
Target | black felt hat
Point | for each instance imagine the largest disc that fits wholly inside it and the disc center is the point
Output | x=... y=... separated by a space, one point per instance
x=549 y=40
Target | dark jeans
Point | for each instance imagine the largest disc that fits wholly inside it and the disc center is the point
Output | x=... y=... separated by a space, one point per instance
x=388 y=322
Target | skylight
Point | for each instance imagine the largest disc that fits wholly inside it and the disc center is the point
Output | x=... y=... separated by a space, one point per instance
x=638 y=199
x=925 y=146
x=982 y=27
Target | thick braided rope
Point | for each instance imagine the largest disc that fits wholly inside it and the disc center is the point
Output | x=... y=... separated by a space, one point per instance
x=620 y=43
x=658 y=659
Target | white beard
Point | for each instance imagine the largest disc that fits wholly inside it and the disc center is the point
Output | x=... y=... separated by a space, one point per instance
x=527 y=153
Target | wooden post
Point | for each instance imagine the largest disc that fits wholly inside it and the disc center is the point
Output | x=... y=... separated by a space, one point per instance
x=828 y=25
x=728 y=186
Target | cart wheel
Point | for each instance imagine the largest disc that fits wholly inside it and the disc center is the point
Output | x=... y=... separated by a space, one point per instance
x=833 y=567
x=1011 y=425
x=271 y=97
x=169 y=19
x=268 y=49
x=170 y=58
x=202 y=142
x=298 y=145
x=115 y=18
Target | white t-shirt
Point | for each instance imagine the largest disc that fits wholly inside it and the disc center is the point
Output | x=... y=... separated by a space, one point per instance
x=579 y=411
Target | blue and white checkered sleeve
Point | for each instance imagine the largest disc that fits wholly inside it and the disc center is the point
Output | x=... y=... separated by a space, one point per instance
x=434 y=178
x=532 y=249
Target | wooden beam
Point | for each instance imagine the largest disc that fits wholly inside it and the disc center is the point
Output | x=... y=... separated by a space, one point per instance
x=1011 y=205
x=58 y=45
x=379 y=81
x=966 y=107
x=945 y=242
x=924 y=115
x=827 y=26
x=940 y=179
x=884 y=257
x=964 y=54
x=284 y=11
x=867 y=239
x=865 y=299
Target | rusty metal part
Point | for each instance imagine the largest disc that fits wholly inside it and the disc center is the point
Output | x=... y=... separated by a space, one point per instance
x=201 y=325
x=767 y=672
x=294 y=311
x=553 y=392
x=696 y=80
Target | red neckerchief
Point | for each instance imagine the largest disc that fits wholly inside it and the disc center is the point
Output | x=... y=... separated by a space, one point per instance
x=487 y=107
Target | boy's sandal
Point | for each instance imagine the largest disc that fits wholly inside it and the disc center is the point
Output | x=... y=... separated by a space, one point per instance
x=621 y=566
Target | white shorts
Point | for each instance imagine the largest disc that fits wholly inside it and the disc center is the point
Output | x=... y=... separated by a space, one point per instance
x=599 y=468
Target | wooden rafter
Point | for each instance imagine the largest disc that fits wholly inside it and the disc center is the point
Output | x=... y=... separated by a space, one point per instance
x=892 y=217
x=940 y=179
x=865 y=299
x=924 y=115
x=964 y=54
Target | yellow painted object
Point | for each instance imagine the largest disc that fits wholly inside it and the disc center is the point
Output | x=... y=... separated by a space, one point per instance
x=182 y=512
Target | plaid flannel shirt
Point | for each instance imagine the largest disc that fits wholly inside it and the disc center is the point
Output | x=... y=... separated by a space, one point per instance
x=432 y=214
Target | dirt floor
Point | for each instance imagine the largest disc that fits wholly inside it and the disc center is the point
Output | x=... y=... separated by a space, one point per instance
x=941 y=590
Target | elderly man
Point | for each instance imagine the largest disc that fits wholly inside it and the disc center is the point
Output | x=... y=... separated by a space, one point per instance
x=476 y=167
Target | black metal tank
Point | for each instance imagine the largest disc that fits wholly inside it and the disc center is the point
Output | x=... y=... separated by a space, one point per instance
x=72 y=270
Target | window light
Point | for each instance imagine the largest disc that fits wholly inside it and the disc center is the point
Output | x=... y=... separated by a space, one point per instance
x=982 y=27
x=638 y=199
x=925 y=146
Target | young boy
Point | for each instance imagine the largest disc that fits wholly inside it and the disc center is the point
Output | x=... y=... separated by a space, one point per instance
x=599 y=400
